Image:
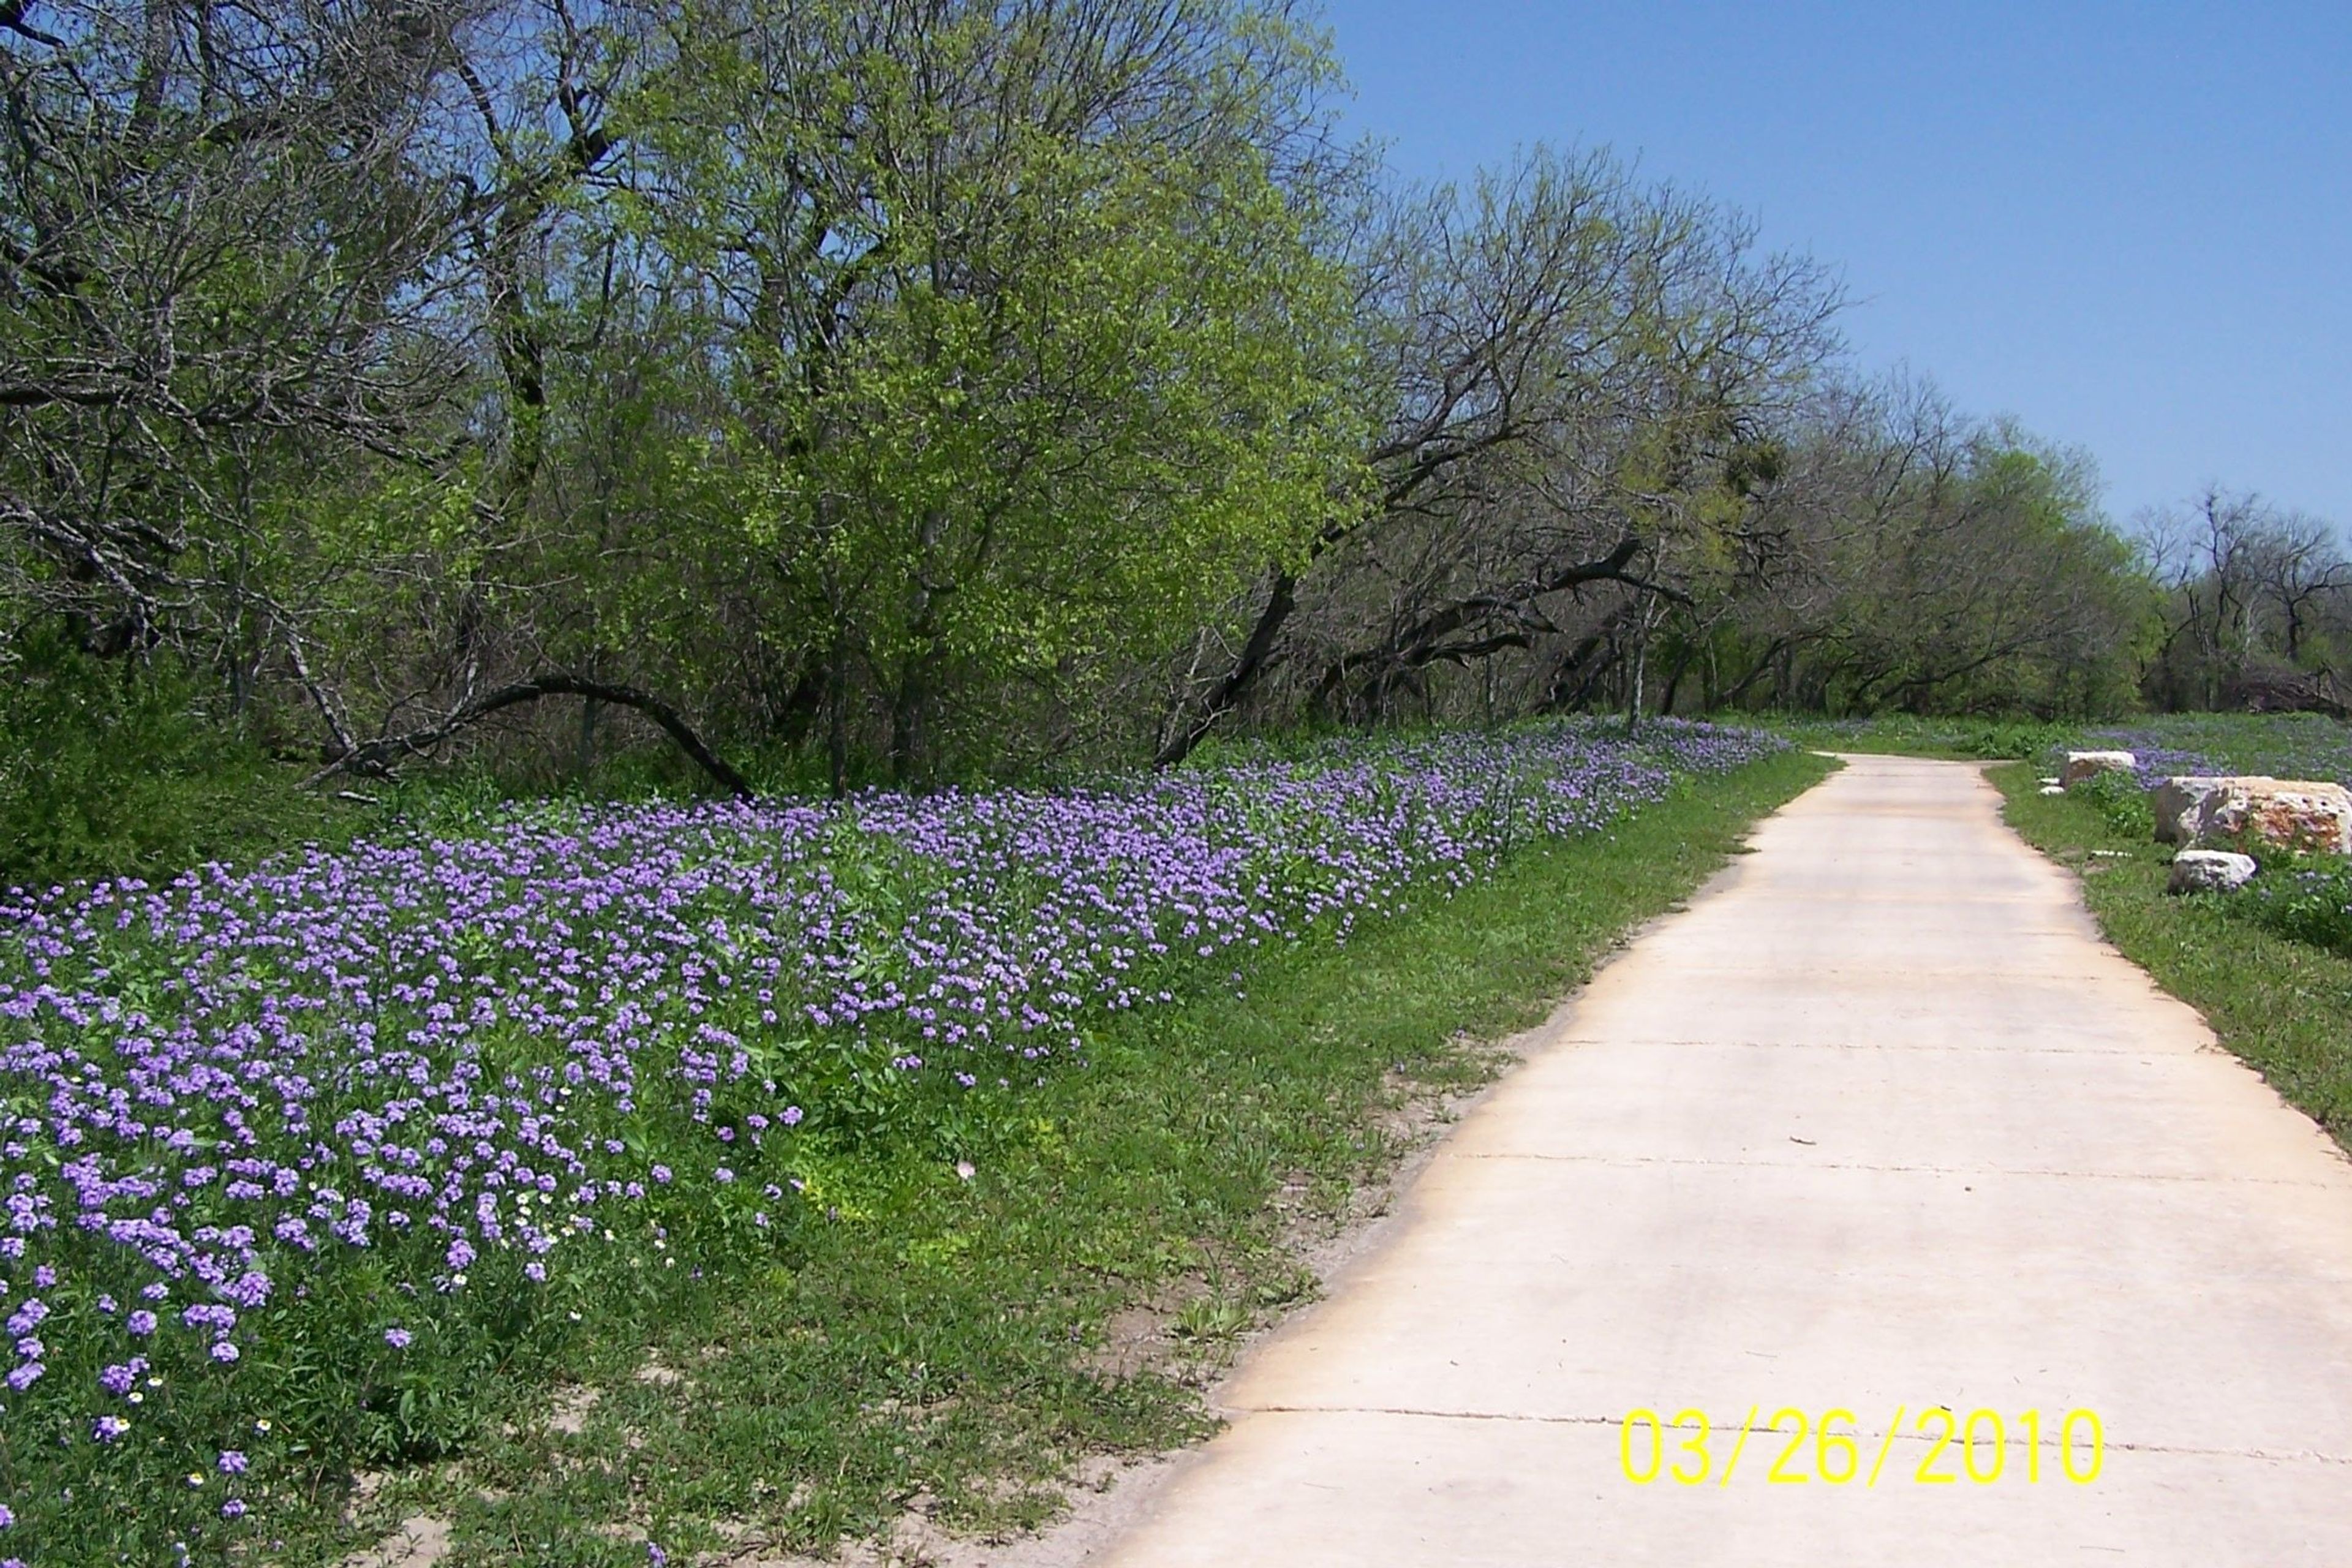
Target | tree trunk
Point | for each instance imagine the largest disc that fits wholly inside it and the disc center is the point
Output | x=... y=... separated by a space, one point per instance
x=1281 y=600
x=836 y=719
x=1644 y=619
x=910 y=705
x=584 y=762
x=1674 y=684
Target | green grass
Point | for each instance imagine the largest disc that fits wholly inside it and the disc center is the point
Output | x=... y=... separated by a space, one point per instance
x=2289 y=745
x=941 y=1344
x=2283 y=1005
x=2286 y=745
x=1910 y=735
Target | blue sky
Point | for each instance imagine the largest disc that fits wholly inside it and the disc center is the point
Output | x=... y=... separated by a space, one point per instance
x=2128 y=225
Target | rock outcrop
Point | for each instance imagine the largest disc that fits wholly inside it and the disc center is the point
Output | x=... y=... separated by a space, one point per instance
x=2298 y=814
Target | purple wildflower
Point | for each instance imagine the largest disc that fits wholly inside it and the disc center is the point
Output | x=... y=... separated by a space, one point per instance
x=453 y=1049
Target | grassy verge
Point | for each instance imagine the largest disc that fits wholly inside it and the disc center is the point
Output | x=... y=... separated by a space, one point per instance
x=1908 y=735
x=2282 y=1006
x=950 y=1344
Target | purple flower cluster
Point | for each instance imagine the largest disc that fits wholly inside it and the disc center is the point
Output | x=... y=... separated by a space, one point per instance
x=2152 y=762
x=461 y=1056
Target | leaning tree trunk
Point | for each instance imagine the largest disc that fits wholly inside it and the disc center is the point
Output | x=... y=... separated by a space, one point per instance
x=376 y=755
x=1192 y=728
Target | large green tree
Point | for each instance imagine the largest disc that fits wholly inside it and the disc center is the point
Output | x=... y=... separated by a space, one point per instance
x=1028 y=351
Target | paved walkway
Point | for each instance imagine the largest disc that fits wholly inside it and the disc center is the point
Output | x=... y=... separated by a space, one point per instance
x=1879 y=1124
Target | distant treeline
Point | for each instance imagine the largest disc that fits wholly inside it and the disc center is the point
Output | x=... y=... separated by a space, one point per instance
x=830 y=392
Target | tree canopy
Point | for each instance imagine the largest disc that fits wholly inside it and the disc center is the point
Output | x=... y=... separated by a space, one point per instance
x=910 y=389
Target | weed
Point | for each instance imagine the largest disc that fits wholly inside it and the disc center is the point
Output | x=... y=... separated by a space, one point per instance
x=2119 y=797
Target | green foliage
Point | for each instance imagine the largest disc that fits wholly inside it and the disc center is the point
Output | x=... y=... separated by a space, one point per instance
x=1986 y=739
x=2119 y=797
x=113 y=767
x=1045 y=363
x=1969 y=570
x=921 y=392
x=2306 y=898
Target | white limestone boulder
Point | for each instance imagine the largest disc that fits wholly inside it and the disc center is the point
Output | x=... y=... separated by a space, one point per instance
x=2081 y=765
x=2298 y=814
x=2209 y=871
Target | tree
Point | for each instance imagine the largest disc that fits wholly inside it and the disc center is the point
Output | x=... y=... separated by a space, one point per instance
x=1561 y=360
x=2246 y=585
x=1026 y=345
x=216 y=231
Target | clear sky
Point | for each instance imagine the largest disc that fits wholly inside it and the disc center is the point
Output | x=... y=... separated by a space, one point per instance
x=2129 y=224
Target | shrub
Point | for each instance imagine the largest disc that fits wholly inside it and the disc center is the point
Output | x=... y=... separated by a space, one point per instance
x=110 y=767
x=2120 y=798
x=2309 y=900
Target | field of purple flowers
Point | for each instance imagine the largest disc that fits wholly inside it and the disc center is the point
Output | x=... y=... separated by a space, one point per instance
x=2283 y=745
x=292 y=1151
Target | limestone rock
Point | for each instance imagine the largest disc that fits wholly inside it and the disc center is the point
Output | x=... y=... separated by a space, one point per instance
x=2209 y=871
x=2081 y=765
x=2300 y=814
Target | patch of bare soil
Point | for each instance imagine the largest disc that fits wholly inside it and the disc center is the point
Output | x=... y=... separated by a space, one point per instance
x=569 y=1414
x=421 y=1542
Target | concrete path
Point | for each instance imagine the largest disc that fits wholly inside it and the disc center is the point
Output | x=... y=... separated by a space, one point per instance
x=1880 y=1124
